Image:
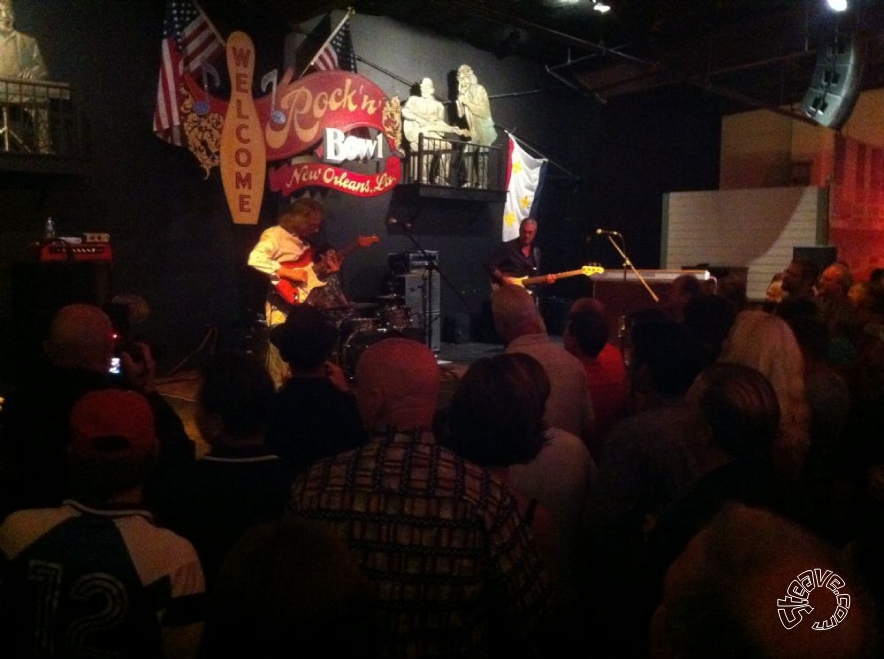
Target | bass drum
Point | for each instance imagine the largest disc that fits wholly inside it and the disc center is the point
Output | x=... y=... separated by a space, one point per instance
x=356 y=344
x=395 y=317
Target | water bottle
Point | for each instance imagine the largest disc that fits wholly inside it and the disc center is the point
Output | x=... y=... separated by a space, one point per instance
x=49 y=230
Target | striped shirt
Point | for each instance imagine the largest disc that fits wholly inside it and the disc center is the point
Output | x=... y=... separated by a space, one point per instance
x=454 y=567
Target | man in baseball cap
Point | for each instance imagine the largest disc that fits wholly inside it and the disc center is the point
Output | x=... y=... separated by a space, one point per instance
x=101 y=548
x=114 y=445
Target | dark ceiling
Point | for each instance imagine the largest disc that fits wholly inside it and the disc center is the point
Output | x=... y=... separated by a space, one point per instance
x=750 y=53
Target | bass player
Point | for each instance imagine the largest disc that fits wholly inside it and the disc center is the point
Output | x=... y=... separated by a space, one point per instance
x=281 y=246
x=516 y=258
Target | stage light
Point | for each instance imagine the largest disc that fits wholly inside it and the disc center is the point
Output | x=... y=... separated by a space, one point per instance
x=602 y=7
x=837 y=5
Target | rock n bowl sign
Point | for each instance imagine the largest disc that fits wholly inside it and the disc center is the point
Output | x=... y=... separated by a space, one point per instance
x=340 y=132
x=332 y=129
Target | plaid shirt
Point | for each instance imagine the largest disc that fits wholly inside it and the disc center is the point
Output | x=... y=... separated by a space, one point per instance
x=453 y=565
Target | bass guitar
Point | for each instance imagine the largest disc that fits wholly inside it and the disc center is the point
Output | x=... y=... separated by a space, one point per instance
x=586 y=270
x=295 y=293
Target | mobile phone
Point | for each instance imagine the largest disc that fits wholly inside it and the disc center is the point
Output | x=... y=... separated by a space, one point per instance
x=115 y=366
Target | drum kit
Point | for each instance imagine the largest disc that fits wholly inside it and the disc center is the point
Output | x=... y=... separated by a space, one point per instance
x=361 y=324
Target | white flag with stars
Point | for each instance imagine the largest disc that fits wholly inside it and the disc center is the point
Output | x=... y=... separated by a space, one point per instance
x=523 y=179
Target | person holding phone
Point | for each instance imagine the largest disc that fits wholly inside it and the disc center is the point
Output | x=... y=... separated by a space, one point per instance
x=36 y=434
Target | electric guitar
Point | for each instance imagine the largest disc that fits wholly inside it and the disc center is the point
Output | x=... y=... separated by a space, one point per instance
x=294 y=293
x=586 y=270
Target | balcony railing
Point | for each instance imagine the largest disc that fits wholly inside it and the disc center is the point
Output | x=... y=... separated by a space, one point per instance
x=40 y=118
x=455 y=164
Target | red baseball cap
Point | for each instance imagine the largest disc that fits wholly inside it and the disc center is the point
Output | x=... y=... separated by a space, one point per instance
x=113 y=424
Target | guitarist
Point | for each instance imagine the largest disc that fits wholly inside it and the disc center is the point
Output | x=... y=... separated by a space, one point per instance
x=289 y=241
x=516 y=258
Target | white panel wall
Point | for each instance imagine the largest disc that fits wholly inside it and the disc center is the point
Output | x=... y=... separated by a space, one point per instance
x=754 y=228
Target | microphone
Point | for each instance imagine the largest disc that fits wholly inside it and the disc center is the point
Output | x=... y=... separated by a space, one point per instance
x=606 y=232
x=396 y=222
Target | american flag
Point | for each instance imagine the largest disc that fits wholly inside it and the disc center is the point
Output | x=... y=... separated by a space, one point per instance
x=188 y=41
x=338 y=53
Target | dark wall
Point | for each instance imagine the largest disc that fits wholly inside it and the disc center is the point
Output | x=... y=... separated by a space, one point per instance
x=174 y=242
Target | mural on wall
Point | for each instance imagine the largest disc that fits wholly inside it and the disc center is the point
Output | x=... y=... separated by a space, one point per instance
x=331 y=128
x=856 y=214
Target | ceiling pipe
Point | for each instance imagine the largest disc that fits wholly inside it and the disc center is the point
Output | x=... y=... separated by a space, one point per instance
x=696 y=80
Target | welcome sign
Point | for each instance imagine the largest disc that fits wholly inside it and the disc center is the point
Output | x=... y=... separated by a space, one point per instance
x=333 y=129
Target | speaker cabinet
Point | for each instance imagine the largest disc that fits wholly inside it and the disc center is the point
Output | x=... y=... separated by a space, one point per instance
x=414 y=285
x=836 y=81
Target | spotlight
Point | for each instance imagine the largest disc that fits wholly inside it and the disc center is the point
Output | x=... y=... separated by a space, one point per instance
x=837 y=5
x=603 y=7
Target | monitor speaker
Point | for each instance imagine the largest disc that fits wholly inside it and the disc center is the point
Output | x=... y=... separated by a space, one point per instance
x=836 y=81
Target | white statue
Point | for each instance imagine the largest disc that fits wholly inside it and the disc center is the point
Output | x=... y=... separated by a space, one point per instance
x=473 y=105
x=425 y=116
x=20 y=58
x=19 y=54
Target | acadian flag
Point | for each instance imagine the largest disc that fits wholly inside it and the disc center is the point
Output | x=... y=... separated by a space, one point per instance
x=524 y=181
x=189 y=39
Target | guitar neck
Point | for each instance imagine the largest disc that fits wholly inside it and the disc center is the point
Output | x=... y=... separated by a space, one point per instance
x=530 y=281
x=346 y=251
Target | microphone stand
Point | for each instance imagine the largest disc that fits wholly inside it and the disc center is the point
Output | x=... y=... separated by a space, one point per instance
x=427 y=286
x=628 y=264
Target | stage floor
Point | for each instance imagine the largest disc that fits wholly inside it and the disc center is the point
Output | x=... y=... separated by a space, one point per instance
x=454 y=359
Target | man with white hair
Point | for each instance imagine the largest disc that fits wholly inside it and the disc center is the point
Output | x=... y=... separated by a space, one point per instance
x=515 y=258
x=519 y=324
x=453 y=567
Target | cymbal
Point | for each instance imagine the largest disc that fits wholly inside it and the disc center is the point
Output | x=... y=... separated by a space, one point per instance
x=391 y=297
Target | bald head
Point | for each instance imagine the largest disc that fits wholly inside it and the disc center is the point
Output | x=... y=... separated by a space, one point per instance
x=727 y=587
x=515 y=313
x=81 y=336
x=834 y=283
x=397 y=384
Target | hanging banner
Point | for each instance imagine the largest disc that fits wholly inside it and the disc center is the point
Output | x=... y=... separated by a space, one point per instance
x=524 y=181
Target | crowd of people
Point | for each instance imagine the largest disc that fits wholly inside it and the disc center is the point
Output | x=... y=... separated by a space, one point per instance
x=718 y=493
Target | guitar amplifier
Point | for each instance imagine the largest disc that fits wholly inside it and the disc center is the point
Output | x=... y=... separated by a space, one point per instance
x=404 y=262
x=60 y=250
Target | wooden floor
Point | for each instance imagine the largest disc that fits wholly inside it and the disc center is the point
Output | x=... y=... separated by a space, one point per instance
x=454 y=359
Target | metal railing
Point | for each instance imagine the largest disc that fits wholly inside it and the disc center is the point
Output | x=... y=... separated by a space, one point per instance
x=455 y=163
x=40 y=118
